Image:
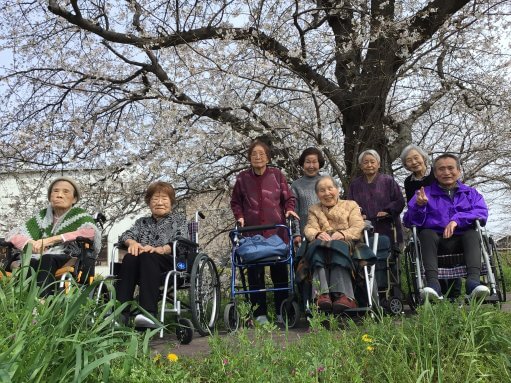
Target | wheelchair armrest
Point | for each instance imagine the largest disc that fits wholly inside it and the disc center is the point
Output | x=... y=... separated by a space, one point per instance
x=182 y=240
x=186 y=241
x=84 y=240
x=120 y=246
x=479 y=222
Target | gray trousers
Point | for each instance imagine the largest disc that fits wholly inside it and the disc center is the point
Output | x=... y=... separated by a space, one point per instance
x=467 y=243
x=335 y=279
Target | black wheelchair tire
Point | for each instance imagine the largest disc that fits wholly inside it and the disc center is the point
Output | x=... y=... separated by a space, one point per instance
x=231 y=317
x=184 y=330
x=204 y=294
x=290 y=311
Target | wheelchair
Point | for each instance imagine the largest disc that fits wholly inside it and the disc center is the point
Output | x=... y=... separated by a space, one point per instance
x=290 y=310
x=388 y=269
x=80 y=269
x=365 y=284
x=194 y=272
x=452 y=266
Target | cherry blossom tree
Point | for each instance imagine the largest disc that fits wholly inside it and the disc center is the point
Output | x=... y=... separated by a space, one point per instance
x=145 y=90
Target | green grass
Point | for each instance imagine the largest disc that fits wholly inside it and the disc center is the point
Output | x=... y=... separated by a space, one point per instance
x=69 y=338
x=64 y=338
x=442 y=343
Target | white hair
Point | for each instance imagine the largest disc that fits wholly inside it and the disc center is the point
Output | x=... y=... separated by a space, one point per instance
x=419 y=150
x=326 y=177
x=370 y=152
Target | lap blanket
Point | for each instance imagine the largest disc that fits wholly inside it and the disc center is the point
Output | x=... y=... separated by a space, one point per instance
x=325 y=253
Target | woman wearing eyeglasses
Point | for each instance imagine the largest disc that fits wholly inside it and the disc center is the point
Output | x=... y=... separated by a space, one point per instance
x=261 y=196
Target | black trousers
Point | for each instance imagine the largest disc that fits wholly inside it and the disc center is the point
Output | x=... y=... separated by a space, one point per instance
x=46 y=267
x=145 y=271
x=279 y=278
x=467 y=243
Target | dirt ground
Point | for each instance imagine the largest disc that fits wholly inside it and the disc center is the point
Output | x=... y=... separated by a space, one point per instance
x=200 y=346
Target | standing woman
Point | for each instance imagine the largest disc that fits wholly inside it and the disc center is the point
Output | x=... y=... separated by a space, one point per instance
x=311 y=160
x=261 y=196
x=415 y=160
x=379 y=196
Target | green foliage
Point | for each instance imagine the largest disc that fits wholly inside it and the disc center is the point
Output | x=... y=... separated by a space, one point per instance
x=70 y=338
x=443 y=343
x=66 y=337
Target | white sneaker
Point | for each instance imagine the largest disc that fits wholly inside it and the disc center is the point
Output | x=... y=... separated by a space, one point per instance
x=280 y=319
x=262 y=319
x=143 y=321
x=431 y=294
x=479 y=292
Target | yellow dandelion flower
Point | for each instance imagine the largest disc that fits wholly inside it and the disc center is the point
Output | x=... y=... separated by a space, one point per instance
x=172 y=358
x=366 y=338
x=370 y=348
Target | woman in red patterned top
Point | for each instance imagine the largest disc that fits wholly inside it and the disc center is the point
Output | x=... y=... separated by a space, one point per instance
x=261 y=196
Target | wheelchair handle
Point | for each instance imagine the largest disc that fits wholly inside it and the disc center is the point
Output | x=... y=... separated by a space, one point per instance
x=4 y=243
x=257 y=228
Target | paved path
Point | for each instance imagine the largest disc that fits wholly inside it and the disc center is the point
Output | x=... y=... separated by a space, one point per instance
x=200 y=346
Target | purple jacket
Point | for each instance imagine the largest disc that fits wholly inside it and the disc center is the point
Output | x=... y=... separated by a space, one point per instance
x=466 y=206
x=262 y=200
x=383 y=194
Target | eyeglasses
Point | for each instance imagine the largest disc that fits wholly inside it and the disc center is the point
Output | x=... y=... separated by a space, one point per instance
x=258 y=155
x=156 y=199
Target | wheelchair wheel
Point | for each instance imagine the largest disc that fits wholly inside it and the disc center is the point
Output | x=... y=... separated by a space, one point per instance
x=395 y=306
x=204 y=294
x=104 y=292
x=184 y=330
x=231 y=317
x=414 y=299
x=496 y=266
x=102 y=295
x=290 y=312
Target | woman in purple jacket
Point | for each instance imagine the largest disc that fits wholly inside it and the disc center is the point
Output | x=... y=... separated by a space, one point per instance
x=379 y=197
x=444 y=213
x=261 y=196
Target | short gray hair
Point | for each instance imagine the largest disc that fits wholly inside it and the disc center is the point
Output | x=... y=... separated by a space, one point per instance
x=326 y=177
x=370 y=152
x=419 y=150
x=448 y=155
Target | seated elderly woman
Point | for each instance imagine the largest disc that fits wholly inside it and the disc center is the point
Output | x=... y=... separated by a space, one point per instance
x=332 y=227
x=53 y=230
x=150 y=251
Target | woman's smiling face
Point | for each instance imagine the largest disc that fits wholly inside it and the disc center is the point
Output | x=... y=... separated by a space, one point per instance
x=327 y=192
